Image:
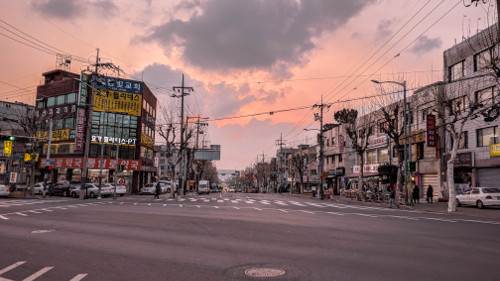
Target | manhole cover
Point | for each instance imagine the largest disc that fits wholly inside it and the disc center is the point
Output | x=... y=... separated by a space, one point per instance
x=264 y=272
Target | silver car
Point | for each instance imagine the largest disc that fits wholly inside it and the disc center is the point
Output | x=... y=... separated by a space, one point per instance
x=149 y=188
x=93 y=190
x=120 y=189
x=4 y=190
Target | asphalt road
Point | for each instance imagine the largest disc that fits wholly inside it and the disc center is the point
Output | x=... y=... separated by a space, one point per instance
x=238 y=236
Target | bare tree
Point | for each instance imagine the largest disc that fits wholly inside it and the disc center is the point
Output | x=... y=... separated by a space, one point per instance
x=169 y=130
x=299 y=161
x=359 y=130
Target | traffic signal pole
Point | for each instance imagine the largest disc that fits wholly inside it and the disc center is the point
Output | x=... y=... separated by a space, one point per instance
x=47 y=159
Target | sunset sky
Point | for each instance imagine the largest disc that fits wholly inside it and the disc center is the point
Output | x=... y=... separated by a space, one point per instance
x=242 y=57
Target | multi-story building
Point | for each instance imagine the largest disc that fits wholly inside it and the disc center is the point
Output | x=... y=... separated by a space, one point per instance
x=96 y=117
x=16 y=124
x=470 y=79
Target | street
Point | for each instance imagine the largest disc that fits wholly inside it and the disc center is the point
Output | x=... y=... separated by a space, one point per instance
x=239 y=236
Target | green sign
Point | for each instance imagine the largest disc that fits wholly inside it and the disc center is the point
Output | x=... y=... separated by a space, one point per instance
x=83 y=93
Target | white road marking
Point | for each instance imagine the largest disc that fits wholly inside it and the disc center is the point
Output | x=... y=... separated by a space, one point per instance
x=284 y=211
x=180 y=205
x=38 y=273
x=79 y=277
x=216 y=207
x=304 y=211
x=164 y=205
x=3 y=218
x=249 y=202
x=42 y=231
x=236 y=208
x=335 y=213
x=33 y=211
x=10 y=267
x=21 y=214
x=220 y=201
x=258 y=209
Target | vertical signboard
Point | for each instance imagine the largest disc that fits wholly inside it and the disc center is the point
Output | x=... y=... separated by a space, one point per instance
x=80 y=128
x=341 y=144
x=7 y=148
x=82 y=93
x=431 y=130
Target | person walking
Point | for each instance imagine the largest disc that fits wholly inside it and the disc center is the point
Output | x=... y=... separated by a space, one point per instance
x=416 y=194
x=430 y=194
x=392 y=197
x=157 y=191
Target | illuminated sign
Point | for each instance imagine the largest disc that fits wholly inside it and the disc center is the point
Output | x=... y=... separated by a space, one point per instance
x=80 y=129
x=128 y=103
x=94 y=163
x=57 y=135
x=431 y=130
x=7 y=148
x=110 y=140
x=82 y=93
x=119 y=85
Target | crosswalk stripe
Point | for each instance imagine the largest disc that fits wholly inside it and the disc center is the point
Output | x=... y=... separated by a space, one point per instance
x=38 y=273
x=21 y=214
x=10 y=267
x=79 y=277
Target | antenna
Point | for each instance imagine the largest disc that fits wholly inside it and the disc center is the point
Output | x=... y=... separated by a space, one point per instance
x=63 y=62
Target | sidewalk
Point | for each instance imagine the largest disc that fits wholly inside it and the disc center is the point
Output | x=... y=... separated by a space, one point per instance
x=437 y=207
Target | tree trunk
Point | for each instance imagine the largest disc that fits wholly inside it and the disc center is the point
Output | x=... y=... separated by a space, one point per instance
x=452 y=206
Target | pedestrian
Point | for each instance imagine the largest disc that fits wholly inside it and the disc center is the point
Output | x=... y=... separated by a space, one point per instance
x=430 y=194
x=416 y=194
x=392 y=197
x=157 y=191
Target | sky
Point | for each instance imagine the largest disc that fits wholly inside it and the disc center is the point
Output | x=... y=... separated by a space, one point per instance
x=257 y=67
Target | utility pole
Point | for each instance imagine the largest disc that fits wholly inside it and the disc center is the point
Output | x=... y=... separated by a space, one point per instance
x=182 y=90
x=84 y=177
x=321 y=156
x=280 y=143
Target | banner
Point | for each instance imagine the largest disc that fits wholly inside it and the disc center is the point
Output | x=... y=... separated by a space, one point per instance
x=82 y=93
x=431 y=130
x=93 y=163
x=80 y=128
x=494 y=150
x=122 y=102
x=57 y=135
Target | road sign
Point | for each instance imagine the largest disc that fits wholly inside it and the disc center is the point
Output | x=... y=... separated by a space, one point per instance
x=7 y=148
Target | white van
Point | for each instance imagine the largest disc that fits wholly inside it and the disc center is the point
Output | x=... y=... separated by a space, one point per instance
x=203 y=187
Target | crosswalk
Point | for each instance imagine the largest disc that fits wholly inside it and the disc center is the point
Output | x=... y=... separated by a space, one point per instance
x=25 y=213
x=18 y=266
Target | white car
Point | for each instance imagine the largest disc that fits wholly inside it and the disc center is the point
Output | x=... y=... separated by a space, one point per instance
x=120 y=189
x=93 y=190
x=4 y=190
x=480 y=197
x=38 y=188
x=149 y=188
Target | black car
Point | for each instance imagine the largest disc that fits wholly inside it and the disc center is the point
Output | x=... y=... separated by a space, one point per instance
x=61 y=188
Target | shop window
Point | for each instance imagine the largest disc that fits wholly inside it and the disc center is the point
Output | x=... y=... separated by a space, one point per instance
x=487 y=136
x=371 y=157
x=383 y=156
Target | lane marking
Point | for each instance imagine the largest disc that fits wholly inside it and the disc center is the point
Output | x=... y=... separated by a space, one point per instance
x=38 y=273
x=79 y=277
x=236 y=208
x=335 y=213
x=284 y=211
x=3 y=218
x=12 y=266
x=21 y=214
x=258 y=209
x=304 y=211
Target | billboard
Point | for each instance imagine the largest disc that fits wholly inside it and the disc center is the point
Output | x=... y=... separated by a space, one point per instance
x=122 y=95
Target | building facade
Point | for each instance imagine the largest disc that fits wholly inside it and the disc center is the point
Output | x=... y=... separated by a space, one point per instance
x=99 y=119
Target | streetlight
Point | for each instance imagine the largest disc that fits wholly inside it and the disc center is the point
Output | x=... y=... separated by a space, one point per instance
x=407 y=131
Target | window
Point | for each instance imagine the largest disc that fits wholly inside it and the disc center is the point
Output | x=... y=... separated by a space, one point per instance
x=40 y=104
x=464 y=141
x=61 y=99
x=420 y=150
x=71 y=98
x=456 y=71
x=58 y=124
x=333 y=141
x=485 y=96
x=383 y=156
x=486 y=136
x=51 y=101
x=327 y=142
x=458 y=105
x=482 y=59
x=69 y=123
x=340 y=158
x=371 y=157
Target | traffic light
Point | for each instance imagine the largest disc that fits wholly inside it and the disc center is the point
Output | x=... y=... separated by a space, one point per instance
x=412 y=166
x=49 y=168
x=12 y=138
x=120 y=168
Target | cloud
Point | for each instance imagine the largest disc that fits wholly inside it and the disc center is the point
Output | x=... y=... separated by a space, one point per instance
x=384 y=29
x=252 y=34
x=61 y=9
x=71 y=9
x=425 y=44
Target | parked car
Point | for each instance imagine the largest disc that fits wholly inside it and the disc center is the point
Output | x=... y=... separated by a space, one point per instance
x=38 y=188
x=480 y=197
x=166 y=186
x=93 y=190
x=203 y=187
x=75 y=187
x=4 y=190
x=120 y=189
x=148 y=188
x=62 y=188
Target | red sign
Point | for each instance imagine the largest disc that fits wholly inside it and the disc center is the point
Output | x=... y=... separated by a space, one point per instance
x=431 y=130
x=80 y=128
x=94 y=163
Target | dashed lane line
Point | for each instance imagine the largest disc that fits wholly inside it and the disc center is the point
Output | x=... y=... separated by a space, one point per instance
x=38 y=273
x=79 y=277
x=12 y=266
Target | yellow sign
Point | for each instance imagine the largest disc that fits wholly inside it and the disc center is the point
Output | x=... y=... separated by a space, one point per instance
x=28 y=157
x=147 y=141
x=7 y=147
x=57 y=135
x=495 y=150
x=119 y=102
x=416 y=137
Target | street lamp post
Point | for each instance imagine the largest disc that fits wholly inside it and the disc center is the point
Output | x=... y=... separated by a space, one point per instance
x=406 y=129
